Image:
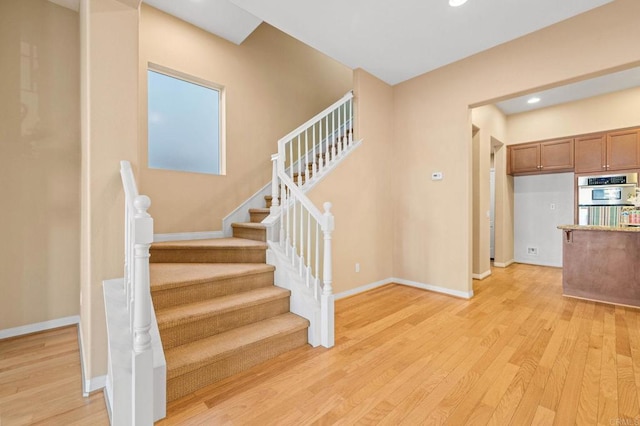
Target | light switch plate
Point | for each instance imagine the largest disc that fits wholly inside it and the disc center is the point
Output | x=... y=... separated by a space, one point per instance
x=436 y=176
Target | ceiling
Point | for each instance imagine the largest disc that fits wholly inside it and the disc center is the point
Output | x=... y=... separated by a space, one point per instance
x=219 y=17
x=396 y=41
x=572 y=92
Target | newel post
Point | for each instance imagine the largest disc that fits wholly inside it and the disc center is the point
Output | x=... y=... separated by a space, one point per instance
x=142 y=362
x=327 y=335
x=275 y=203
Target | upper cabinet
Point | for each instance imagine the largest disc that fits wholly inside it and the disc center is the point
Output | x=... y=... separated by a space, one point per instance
x=598 y=152
x=591 y=153
x=556 y=156
x=623 y=149
x=618 y=150
x=541 y=157
x=524 y=158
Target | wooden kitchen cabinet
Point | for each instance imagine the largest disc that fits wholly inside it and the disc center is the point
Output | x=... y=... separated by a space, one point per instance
x=541 y=157
x=591 y=153
x=623 y=149
x=524 y=158
x=602 y=152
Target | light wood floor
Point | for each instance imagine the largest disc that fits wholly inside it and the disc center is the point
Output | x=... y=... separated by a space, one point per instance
x=517 y=353
x=41 y=383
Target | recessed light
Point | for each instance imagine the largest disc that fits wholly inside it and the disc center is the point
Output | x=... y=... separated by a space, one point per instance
x=533 y=100
x=456 y=3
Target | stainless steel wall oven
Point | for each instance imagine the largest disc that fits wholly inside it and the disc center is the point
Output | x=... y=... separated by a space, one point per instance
x=600 y=197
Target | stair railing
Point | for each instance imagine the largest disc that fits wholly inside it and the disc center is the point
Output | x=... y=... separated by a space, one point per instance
x=305 y=232
x=138 y=238
x=305 y=238
x=315 y=145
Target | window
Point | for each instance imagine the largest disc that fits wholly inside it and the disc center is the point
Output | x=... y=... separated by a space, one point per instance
x=184 y=123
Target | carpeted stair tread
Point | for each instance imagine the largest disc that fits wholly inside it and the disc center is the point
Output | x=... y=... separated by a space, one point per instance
x=250 y=230
x=251 y=225
x=251 y=249
x=166 y=276
x=227 y=243
x=191 y=356
x=182 y=314
x=265 y=210
x=258 y=215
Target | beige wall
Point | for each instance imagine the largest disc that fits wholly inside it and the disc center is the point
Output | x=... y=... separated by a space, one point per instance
x=433 y=127
x=109 y=120
x=363 y=204
x=39 y=162
x=606 y=112
x=273 y=84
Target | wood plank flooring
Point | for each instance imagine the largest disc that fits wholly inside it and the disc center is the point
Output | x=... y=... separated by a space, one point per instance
x=517 y=353
x=41 y=382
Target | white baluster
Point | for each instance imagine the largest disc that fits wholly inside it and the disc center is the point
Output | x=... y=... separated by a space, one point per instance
x=316 y=269
x=314 y=167
x=126 y=249
x=293 y=245
x=334 y=150
x=346 y=125
x=288 y=228
x=308 y=265
x=327 y=337
x=129 y=256
x=340 y=130
x=283 y=212
x=301 y=249
x=306 y=154
x=142 y=361
x=142 y=308
x=320 y=151
x=351 y=123
x=274 y=185
x=299 y=159
x=291 y=159
x=326 y=138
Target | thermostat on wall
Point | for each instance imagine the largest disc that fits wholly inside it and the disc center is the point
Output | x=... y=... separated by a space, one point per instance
x=436 y=176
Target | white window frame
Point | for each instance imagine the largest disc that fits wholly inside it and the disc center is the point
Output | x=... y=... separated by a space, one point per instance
x=222 y=140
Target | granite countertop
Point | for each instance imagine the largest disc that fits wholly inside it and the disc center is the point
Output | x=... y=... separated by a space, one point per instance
x=599 y=228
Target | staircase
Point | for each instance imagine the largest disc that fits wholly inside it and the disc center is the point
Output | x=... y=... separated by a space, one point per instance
x=189 y=313
x=217 y=308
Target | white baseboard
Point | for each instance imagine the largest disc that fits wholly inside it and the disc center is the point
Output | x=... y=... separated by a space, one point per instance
x=91 y=384
x=434 y=288
x=183 y=236
x=503 y=265
x=40 y=326
x=362 y=289
x=481 y=276
x=530 y=262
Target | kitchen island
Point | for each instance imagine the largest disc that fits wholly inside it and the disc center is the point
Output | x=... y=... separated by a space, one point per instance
x=601 y=263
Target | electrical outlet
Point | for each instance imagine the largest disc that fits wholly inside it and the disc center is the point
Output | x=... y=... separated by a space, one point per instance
x=532 y=251
x=436 y=176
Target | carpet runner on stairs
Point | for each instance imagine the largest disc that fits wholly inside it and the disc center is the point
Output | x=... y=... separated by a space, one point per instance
x=217 y=308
